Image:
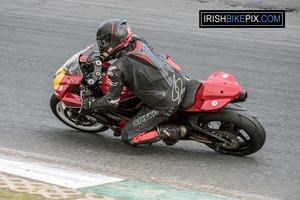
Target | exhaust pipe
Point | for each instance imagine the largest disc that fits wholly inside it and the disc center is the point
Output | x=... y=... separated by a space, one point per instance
x=241 y=98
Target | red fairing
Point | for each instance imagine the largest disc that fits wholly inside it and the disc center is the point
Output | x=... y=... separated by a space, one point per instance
x=105 y=84
x=198 y=100
x=106 y=64
x=64 y=89
x=125 y=94
x=216 y=92
x=72 y=100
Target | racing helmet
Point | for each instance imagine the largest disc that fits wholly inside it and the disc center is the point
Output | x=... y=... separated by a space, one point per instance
x=112 y=36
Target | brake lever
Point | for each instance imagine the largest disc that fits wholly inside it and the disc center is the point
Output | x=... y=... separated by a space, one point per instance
x=82 y=102
x=82 y=90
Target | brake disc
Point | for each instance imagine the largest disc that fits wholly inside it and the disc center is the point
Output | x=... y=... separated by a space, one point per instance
x=232 y=141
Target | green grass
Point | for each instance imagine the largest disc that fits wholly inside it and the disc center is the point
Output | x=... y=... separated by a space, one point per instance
x=6 y=194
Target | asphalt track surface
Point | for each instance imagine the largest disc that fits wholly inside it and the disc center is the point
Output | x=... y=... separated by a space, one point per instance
x=37 y=37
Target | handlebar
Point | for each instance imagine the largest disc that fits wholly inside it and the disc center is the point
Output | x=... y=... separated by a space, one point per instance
x=90 y=59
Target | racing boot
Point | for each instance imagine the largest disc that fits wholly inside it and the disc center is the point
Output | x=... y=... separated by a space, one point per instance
x=171 y=133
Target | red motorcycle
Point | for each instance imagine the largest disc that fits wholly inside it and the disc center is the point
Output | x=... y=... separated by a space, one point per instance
x=209 y=109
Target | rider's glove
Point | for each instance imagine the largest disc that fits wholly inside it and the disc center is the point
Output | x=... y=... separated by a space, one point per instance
x=88 y=103
x=87 y=93
x=100 y=104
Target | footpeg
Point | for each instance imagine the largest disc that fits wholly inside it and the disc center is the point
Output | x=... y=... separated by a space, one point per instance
x=172 y=131
x=117 y=133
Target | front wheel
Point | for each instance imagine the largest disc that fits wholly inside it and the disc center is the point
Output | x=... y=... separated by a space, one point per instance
x=241 y=129
x=68 y=117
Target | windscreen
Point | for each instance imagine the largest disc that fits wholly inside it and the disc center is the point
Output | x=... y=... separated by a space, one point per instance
x=72 y=65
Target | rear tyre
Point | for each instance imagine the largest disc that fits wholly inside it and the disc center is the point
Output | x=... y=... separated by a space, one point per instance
x=239 y=127
x=66 y=115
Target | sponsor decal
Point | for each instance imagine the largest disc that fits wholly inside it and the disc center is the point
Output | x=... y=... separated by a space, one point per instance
x=105 y=54
x=61 y=88
x=109 y=49
x=242 y=18
x=214 y=103
x=199 y=140
x=145 y=117
x=225 y=76
x=72 y=82
x=167 y=133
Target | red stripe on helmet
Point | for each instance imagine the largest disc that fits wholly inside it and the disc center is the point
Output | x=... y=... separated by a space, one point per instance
x=125 y=41
x=112 y=35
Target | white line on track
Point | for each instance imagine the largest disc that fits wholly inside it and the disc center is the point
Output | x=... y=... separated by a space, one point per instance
x=52 y=174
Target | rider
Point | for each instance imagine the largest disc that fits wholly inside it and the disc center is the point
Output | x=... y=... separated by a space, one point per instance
x=148 y=76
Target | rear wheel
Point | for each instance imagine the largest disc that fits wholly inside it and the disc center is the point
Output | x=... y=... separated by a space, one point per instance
x=242 y=131
x=68 y=116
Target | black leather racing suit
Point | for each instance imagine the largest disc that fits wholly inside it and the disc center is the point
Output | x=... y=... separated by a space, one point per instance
x=153 y=80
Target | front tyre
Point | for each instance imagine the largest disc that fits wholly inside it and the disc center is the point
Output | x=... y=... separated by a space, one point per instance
x=67 y=116
x=241 y=129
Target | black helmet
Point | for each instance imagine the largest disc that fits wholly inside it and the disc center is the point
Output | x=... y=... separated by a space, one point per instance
x=112 y=36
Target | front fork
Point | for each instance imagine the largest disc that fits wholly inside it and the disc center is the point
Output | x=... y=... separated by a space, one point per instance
x=82 y=95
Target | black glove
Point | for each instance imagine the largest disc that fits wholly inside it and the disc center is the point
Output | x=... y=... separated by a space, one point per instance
x=100 y=104
x=88 y=93
x=88 y=103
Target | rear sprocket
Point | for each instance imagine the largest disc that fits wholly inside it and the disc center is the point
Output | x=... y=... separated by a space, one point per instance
x=232 y=141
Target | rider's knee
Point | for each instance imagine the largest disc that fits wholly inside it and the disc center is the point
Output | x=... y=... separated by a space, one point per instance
x=125 y=138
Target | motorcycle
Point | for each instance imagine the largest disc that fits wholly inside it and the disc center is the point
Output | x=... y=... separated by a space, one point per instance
x=209 y=110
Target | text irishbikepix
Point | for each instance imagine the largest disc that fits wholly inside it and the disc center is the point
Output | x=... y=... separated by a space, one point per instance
x=241 y=19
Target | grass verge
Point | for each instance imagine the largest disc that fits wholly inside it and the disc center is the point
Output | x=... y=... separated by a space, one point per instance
x=6 y=194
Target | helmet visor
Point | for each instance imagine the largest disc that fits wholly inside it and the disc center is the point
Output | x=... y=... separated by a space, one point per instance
x=103 y=41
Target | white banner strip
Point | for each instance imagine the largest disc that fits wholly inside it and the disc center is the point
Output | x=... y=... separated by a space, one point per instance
x=53 y=174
